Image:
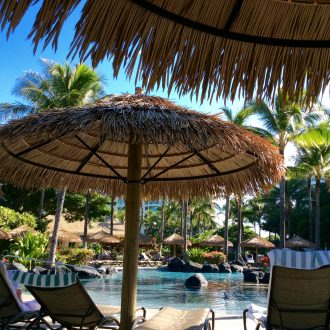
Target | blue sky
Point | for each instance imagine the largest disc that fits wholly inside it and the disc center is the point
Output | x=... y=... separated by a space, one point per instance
x=17 y=56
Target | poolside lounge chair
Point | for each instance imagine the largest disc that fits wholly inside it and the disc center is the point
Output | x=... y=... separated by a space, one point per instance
x=65 y=300
x=177 y=319
x=11 y=308
x=298 y=298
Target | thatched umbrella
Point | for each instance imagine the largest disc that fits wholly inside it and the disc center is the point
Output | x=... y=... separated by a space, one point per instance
x=21 y=231
x=96 y=237
x=258 y=242
x=209 y=48
x=66 y=236
x=175 y=240
x=299 y=242
x=137 y=146
x=215 y=240
x=4 y=235
x=144 y=240
x=109 y=240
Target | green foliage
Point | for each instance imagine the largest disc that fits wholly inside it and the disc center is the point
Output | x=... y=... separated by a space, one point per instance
x=75 y=256
x=214 y=257
x=10 y=219
x=74 y=207
x=195 y=255
x=30 y=246
x=202 y=236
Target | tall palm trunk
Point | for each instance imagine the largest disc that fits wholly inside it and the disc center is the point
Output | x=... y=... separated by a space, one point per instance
x=317 y=211
x=54 y=239
x=310 y=207
x=41 y=204
x=111 y=214
x=282 y=214
x=185 y=212
x=239 y=227
x=227 y=210
x=162 y=226
x=86 y=217
x=182 y=218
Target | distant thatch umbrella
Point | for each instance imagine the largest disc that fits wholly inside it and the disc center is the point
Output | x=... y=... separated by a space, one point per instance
x=299 y=242
x=96 y=237
x=109 y=240
x=257 y=242
x=4 y=235
x=21 y=231
x=136 y=145
x=215 y=240
x=175 y=240
x=65 y=236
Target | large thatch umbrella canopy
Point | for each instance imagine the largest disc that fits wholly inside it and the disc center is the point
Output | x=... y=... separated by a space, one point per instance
x=215 y=240
x=207 y=47
x=66 y=236
x=299 y=242
x=87 y=147
x=98 y=236
x=135 y=145
x=109 y=240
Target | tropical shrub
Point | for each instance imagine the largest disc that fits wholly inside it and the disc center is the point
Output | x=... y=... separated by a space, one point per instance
x=31 y=248
x=214 y=257
x=75 y=256
x=10 y=219
x=196 y=255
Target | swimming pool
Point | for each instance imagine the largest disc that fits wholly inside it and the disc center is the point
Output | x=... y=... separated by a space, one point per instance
x=226 y=293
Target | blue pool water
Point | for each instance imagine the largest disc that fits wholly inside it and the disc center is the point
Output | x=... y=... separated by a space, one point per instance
x=226 y=293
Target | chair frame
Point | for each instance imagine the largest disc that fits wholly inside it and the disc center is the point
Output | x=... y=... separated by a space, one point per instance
x=281 y=311
x=205 y=326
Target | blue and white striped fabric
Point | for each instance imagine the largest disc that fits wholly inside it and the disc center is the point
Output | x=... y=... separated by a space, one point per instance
x=45 y=281
x=299 y=260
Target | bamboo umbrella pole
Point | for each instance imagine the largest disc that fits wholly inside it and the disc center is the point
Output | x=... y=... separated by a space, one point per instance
x=133 y=200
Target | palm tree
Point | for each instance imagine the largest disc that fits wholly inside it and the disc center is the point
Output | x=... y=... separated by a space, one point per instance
x=239 y=119
x=314 y=161
x=59 y=86
x=282 y=122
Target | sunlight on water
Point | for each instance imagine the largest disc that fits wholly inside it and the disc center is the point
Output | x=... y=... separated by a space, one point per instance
x=226 y=293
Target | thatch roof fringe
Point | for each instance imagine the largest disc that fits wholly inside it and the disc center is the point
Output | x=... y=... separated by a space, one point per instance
x=197 y=47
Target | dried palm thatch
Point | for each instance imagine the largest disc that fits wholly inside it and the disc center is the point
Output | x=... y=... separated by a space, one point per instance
x=65 y=236
x=109 y=240
x=185 y=153
x=21 y=231
x=215 y=240
x=258 y=242
x=210 y=48
x=4 y=235
x=299 y=242
x=175 y=239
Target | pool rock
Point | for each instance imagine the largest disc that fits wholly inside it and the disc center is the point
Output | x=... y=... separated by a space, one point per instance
x=224 y=268
x=197 y=281
x=266 y=278
x=191 y=267
x=107 y=270
x=176 y=265
x=210 y=268
x=85 y=272
x=253 y=276
x=236 y=268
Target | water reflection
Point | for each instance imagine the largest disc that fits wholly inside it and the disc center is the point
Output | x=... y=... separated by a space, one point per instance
x=225 y=292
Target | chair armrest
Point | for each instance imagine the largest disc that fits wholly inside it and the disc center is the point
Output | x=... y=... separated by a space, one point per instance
x=144 y=311
x=244 y=318
x=136 y=321
x=207 y=320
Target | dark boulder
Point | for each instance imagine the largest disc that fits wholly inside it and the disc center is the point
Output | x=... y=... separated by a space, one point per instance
x=253 y=276
x=266 y=278
x=85 y=272
x=191 y=267
x=176 y=265
x=224 y=268
x=107 y=270
x=239 y=262
x=236 y=268
x=196 y=281
x=210 y=268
